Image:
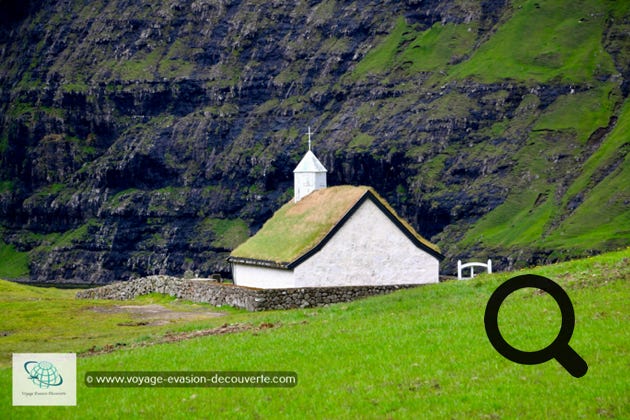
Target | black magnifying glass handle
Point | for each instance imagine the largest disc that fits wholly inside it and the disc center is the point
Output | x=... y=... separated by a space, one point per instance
x=571 y=361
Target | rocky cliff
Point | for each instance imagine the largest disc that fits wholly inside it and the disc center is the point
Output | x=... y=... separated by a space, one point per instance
x=142 y=138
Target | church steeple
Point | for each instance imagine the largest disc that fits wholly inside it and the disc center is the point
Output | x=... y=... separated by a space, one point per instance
x=309 y=175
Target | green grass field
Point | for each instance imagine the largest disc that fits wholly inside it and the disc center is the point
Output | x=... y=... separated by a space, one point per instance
x=417 y=353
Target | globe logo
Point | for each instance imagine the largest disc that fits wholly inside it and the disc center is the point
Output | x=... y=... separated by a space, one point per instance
x=43 y=374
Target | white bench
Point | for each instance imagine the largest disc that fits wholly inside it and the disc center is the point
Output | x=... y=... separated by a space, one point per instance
x=472 y=265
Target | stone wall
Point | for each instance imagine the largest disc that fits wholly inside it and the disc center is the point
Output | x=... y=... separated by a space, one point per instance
x=219 y=294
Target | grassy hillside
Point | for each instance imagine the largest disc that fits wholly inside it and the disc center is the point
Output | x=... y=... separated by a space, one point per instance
x=142 y=138
x=592 y=211
x=573 y=156
x=52 y=320
x=538 y=43
x=13 y=263
x=545 y=40
x=415 y=353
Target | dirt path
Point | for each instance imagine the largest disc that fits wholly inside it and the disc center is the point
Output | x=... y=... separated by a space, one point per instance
x=180 y=336
x=156 y=314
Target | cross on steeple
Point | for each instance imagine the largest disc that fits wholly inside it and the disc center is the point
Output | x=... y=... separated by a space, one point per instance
x=309 y=137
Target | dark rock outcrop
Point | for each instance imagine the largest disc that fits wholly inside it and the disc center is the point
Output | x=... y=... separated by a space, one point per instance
x=150 y=138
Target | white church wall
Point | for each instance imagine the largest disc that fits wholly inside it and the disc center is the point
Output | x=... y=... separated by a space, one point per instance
x=304 y=183
x=307 y=182
x=368 y=249
x=320 y=180
x=262 y=277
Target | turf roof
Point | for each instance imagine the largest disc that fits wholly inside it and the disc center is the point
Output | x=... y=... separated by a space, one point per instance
x=297 y=228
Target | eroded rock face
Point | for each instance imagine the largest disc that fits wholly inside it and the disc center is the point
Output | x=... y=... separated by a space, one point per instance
x=140 y=139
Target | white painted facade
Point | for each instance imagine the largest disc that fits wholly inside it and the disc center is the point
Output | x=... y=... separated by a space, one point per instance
x=367 y=250
x=262 y=277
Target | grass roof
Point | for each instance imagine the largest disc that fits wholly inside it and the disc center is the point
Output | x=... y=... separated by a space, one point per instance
x=296 y=228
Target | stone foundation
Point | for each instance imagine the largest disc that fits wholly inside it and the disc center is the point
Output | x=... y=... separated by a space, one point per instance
x=219 y=294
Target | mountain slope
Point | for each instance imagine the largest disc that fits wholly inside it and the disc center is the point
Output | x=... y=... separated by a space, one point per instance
x=153 y=138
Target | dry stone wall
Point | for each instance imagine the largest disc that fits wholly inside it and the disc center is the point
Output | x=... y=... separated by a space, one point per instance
x=219 y=294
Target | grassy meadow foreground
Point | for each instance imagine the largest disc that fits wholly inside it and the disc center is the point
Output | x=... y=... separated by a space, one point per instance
x=415 y=353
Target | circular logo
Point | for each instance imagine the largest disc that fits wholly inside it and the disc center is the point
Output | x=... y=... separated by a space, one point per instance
x=43 y=374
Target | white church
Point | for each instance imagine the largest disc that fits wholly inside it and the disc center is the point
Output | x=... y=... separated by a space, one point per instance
x=334 y=236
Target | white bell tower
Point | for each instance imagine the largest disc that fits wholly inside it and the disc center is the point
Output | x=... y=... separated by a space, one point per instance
x=309 y=175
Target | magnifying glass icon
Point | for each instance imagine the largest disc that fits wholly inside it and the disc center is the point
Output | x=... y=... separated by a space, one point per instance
x=559 y=349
